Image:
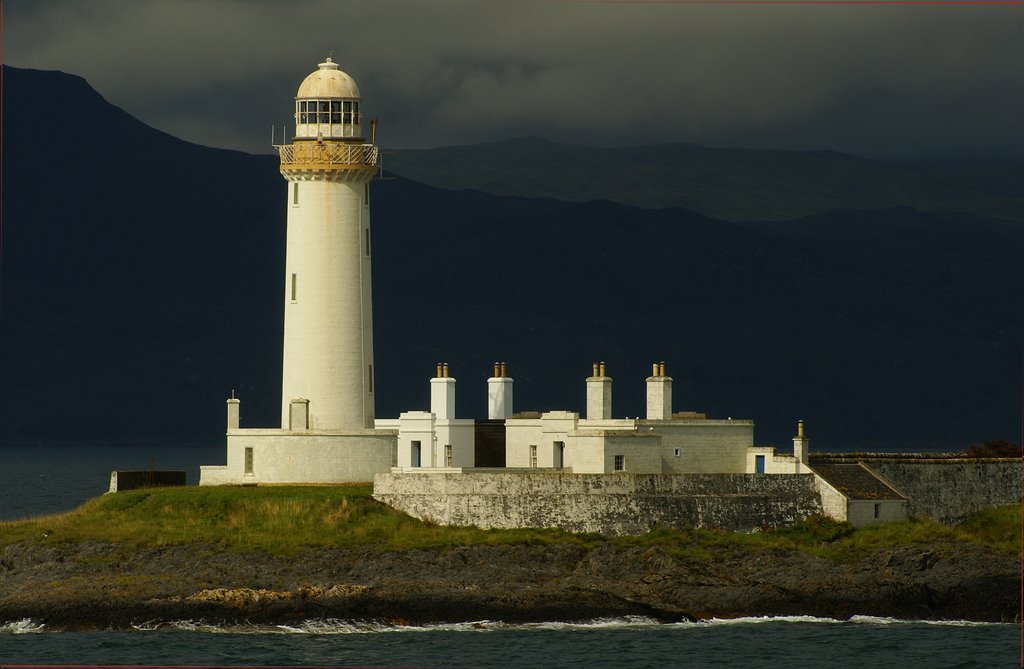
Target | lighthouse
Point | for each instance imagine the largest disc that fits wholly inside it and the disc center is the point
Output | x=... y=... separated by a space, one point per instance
x=327 y=432
x=328 y=321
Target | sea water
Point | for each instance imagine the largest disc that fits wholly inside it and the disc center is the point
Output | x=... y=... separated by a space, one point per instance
x=750 y=643
x=51 y=480
x=44 y=480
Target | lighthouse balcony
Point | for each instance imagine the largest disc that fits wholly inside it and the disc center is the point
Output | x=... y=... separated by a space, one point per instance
x=328 y=155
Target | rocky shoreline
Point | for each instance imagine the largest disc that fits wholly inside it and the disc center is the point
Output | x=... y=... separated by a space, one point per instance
x=93 y=585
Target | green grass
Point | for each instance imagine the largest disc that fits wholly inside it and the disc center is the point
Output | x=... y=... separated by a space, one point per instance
x=285 y=520
x=279 y=520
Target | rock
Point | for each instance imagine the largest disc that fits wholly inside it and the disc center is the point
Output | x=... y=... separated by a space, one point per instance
x=98 y=586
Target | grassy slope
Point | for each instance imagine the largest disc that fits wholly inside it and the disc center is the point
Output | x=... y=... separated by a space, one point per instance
x=285 y=520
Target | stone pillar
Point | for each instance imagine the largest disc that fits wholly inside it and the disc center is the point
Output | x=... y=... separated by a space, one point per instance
x=659 y=394
x=298 y=416
x=233 y=406
x=442 y=394
x=599 y=394
x=499 y=394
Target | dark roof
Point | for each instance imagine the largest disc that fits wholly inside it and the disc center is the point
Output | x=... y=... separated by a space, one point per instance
x=856 y=482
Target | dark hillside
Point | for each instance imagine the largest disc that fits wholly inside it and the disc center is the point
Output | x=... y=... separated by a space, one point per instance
x=142 y=283
x=730 y=184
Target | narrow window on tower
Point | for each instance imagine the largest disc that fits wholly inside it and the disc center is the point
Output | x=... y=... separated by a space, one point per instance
x=367 y=242
x=366 y=195
x=295 y=288
x=295 y=193
x=371 y=378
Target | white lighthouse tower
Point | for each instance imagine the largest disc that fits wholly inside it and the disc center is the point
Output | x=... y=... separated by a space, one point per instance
x=328 y=321
x=327 y=431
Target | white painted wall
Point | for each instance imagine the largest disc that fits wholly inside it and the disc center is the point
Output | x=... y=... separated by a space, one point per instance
x=774 y=462
x=282 y=456
x=328 y=330
x=706 y=446
x=459 y=434
x=520 y=433
x=415 y=426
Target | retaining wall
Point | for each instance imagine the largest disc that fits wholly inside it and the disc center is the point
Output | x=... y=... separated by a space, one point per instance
x=614 y=504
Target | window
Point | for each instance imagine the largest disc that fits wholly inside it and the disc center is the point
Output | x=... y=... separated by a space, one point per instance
x=333 y=112
x=248 y=459
x=295 y=288
x=371 y=378
x=533 y=455
x=559 y=454
x=878 y=508
x=620 y=463
x=295 y=194
x=367 y=242
x=676 y=453
x=366 y=195
x=447 y=455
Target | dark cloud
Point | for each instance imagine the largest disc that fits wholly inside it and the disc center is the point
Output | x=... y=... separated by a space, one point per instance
x=876 y=80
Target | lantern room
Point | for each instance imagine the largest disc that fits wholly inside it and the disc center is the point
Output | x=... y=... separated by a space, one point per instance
x=327 y=105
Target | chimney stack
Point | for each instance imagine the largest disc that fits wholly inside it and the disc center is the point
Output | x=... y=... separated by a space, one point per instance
x=659 y=393
x=442 y=394
x=499 y=394
x=801 y=445
x=233 y=406
x=599 y=394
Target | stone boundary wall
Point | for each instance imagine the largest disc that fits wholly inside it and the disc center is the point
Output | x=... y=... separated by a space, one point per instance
x=945 y=486
x=121 y=480
x=951 y=490
x=616 y=504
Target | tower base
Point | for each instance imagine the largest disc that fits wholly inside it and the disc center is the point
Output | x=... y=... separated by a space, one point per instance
x=274 y=456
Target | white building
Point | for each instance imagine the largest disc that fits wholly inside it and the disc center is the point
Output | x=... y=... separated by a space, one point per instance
x=661 y=443
x=327 y=411
x=328 y=431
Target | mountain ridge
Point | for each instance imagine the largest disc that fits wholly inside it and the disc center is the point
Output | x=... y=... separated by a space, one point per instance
x=726 y=183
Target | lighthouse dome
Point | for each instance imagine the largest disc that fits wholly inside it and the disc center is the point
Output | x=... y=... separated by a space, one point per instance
x=327 y=105
x=328 y=82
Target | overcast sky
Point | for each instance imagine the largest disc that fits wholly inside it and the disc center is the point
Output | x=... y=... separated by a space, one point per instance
x=881 y=81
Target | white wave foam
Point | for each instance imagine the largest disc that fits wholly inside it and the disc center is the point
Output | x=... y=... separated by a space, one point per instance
x=23 y=626
x=878 y=620
x=337 y=626
x=340 y=626
x=758 y=620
